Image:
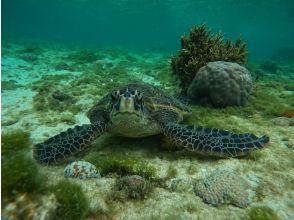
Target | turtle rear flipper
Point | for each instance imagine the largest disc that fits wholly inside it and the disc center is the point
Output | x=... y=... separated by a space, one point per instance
x=67 y=143
x=208 y=141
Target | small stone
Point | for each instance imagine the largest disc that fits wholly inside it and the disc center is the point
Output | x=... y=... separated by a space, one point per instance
x=283 y=121
x=81 y=170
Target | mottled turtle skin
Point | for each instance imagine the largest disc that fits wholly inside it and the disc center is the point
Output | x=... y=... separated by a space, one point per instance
x=139 y=110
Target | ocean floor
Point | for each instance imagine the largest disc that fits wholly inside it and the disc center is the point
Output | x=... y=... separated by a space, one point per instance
x=47 y=89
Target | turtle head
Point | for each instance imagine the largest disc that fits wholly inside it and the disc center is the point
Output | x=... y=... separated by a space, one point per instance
x=127 y=102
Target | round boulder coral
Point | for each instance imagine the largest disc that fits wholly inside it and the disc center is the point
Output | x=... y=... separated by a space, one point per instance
x=221 y=84
x=223 y=186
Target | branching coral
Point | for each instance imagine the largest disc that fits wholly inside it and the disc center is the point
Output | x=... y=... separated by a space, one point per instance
x=202 y=47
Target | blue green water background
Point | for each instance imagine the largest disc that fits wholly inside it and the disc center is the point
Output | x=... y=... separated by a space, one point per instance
x=266 y=25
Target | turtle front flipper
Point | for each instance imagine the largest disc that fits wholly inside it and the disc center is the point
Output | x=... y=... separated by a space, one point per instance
x=208 y=141
x=68 y=142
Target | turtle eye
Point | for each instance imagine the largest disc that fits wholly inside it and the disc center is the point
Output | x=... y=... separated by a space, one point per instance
x=114 y=95
x=139 y=97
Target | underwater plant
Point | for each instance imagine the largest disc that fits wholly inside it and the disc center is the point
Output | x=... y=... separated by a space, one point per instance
x=73 y=203
x=201 y=47
x=262 y=213
x=171 y=172
x=20 y=172
x=15 y=141
x=121 y=165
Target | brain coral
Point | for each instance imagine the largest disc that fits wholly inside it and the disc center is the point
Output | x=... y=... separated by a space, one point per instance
x=223 y=186
x=221 y=84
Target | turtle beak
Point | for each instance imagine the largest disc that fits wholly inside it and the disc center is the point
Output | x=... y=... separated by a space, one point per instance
x=127 y=105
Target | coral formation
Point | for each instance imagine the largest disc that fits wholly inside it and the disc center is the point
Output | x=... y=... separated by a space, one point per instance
x=202 y=47
x=81 y=169
x=73 y=203
x=223 y=186
x=121 y=164
x=134 y=186
x=262 y=213
x=221 y=84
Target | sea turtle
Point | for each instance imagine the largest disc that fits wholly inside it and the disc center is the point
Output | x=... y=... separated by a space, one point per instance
x=138 y=110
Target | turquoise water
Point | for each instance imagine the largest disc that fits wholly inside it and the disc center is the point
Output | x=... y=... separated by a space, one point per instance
x=76 y=143
x=266 y=25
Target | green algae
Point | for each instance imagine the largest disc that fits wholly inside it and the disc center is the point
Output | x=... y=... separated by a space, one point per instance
x=9 y=85
x=171 y=172
x=262 y=213
x=13 y=142
x=121 y=164
x=50 y=98
x=254 y=155
x=267 y=99
x=20 y=172
x=192 y=169
x=73 y=203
